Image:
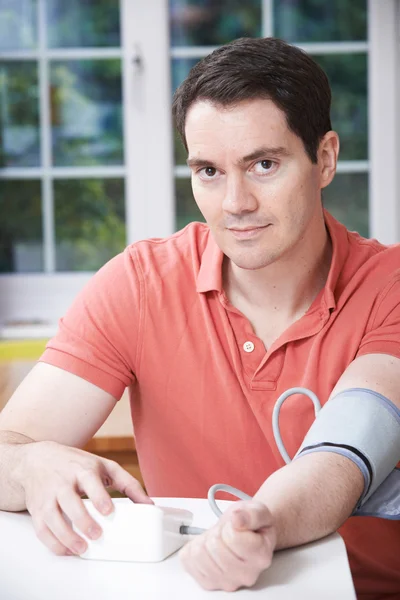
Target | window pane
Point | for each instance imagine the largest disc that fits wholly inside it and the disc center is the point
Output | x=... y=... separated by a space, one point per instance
x=180 y=68
x=213 y=22
x=21 y=245
x=86 y=113
x=347 y=199
x=180 y=150
x=89 y=222
x=83 y=24
x=18 y=24
x=348 y=78
x=316 y=21
x=186 y=209
x=19 y=115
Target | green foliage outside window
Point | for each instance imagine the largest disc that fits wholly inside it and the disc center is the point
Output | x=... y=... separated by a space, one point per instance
x=320 y=21
x=19 y=114
x=86 y=112
x=21 y=237
x=213 y=22
x=18 y=24
x=80 y=24
x=89 y=222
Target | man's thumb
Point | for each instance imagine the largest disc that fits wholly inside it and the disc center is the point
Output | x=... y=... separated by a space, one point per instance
x=252 y=516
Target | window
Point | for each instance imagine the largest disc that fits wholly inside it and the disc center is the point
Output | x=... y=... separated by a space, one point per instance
x=60 y=107
x=77 y=132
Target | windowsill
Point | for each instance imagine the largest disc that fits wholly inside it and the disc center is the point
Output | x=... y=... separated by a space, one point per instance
x=27 y=332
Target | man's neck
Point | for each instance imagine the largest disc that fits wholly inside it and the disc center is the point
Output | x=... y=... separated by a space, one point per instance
x=287 y=287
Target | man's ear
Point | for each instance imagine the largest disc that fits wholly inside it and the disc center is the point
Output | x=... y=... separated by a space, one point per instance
x=328 y=152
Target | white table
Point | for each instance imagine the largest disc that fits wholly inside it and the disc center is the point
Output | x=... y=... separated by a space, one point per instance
x=28 y=571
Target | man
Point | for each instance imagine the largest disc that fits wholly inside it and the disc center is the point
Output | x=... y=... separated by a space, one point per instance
x=210 y=326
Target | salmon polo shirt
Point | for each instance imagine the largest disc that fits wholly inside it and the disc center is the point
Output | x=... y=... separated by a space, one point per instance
x=203 y=386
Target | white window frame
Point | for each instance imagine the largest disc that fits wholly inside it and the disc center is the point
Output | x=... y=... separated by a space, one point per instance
x=384 y=119
x=147 y=168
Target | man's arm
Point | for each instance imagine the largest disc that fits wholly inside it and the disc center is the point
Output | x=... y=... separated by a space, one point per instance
x=50 y=416
x=54 y=405
x=315 y=494
x=304 y=501
x=311 y=497
x=49 y=405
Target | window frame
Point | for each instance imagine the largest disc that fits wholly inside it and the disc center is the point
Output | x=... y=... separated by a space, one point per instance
x=45 y=296
x=384 y=120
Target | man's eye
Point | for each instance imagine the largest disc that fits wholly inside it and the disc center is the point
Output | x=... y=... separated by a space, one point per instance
x=266 y=164
x=209 y=171
x=263 y=167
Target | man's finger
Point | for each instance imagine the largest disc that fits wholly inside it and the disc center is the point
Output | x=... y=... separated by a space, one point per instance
x=122 y=481
x=74 y=508
x=251 y=515
x=92 y=483
x=198 y=563
x=48 y=538
x=63 y=532
x=255 y=548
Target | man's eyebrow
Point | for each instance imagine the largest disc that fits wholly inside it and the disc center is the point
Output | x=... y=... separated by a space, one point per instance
x=199 y=162
x=265 y=152
x=262 y=152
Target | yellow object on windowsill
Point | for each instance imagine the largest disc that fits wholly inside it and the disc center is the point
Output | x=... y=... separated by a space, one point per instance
x=21 y=350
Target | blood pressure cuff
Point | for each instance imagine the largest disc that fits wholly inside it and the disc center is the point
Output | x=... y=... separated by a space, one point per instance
x=364 y=426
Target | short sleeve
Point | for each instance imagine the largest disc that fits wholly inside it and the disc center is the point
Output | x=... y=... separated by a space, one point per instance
x=383 y=333
x=98 y=338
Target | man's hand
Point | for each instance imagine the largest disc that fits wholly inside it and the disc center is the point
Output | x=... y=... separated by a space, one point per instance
x=234 y=552
x=54 y=477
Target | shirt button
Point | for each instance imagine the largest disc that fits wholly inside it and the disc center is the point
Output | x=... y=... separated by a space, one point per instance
x=248 y=346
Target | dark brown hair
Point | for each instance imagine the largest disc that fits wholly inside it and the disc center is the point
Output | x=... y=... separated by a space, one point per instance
x=270 y=68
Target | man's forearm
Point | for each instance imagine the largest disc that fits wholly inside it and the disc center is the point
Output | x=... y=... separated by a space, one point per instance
x=12 y=446
x=311 y=497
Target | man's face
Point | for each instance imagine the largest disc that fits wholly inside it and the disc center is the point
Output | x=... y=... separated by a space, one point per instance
x=252 y=180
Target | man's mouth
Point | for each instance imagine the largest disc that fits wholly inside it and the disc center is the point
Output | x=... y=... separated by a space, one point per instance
x=251 y=231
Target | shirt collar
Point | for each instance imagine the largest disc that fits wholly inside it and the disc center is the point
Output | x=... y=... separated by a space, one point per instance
x=209 y=277
x=340 y=250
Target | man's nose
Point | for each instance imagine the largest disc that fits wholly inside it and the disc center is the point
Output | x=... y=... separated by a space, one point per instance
x=238 y=197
